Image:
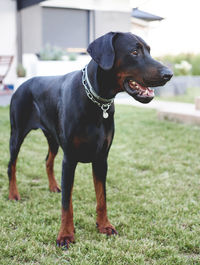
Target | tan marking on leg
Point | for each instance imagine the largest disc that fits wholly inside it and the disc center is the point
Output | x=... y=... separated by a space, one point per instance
x=103 y=224
x=13 y=191
x=66 y=233
x=53 y=186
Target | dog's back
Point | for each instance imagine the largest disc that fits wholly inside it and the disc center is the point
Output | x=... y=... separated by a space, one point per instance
x=36 y=102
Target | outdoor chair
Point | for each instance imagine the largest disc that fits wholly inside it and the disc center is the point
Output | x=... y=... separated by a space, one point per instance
x=5 y=64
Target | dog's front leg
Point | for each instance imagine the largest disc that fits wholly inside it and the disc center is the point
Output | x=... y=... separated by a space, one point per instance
x=99 y=176
x=66 y=233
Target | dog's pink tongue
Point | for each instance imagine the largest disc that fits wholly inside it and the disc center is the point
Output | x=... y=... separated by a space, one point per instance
x=148 y=92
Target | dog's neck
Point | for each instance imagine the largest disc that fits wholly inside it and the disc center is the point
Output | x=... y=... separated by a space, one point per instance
x=103 y=82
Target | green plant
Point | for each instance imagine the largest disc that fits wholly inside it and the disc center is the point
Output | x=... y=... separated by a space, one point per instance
x=21 y=71
x=72 y=56
x=195 y=61
x=51 y=53
x=173 y=60
x=182 y=68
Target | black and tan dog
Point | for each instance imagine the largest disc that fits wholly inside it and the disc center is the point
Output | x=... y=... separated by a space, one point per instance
x=76 y=111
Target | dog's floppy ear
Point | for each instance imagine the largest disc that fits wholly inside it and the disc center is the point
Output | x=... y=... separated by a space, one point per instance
x=102 y=52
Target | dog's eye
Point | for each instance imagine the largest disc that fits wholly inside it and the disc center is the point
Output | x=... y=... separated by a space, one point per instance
x=135 y=52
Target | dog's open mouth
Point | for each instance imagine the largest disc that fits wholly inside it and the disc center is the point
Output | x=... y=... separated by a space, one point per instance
x=143 y=91
x=139 y=92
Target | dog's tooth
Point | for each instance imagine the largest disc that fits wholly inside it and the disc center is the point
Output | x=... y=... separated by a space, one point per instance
x=137 y=86
x=133 y=82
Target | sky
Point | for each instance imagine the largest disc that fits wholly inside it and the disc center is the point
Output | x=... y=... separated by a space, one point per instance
x=179 y=31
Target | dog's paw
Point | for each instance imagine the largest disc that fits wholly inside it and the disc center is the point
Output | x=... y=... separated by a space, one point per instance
x=107 y=229
x=14 y=196
x=64 y=241
x=54 y=188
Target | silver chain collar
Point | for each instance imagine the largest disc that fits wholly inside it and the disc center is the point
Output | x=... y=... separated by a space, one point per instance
x=103 y=103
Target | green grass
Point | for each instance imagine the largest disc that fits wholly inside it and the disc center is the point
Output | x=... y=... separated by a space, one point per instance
x=188 y=97
x=153 y=195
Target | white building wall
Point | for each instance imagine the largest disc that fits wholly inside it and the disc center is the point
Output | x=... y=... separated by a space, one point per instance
x=178 y=32
x=106 y=21
x=31 y=23
x=106 y=5
x=8 y=33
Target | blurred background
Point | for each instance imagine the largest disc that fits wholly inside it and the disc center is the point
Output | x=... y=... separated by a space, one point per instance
x=50 y=37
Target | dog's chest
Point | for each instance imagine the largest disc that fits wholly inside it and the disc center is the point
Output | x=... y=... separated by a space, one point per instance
x=90 y=142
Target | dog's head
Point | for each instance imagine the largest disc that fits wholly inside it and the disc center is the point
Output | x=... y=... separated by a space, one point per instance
x=128 y=56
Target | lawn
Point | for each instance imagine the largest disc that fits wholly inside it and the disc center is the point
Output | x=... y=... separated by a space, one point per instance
x=153 y=195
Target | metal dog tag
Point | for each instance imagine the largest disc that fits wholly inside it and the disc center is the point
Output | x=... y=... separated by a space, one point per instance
x=105 y=114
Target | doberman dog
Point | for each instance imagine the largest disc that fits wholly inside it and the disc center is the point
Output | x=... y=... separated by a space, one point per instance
x=76 y=111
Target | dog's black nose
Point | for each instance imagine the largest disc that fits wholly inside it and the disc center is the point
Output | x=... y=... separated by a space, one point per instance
x=166 y=74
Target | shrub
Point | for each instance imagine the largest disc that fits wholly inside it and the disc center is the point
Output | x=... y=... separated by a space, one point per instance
x=180 y=63
x=21 y=71
x=51 y=53
x=72 y=56
x=183 y=68
x=195 y=61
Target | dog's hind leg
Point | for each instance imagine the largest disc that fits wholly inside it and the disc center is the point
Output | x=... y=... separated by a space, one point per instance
x=22 y=120
x=52 y=152
x=16 y=139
